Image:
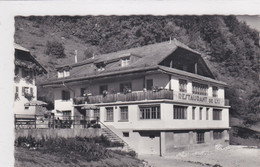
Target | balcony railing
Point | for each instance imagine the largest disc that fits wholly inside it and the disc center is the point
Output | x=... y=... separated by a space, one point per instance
x=152 y=95
x=134 y=96
x=24 y=121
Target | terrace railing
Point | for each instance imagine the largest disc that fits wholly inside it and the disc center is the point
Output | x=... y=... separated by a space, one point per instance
x=152 y=95
x=134 y=96
x=24 y=121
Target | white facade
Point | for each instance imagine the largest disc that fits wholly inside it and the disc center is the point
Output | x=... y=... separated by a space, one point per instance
x=153 y=129
x=156 y=109
x=24 y=85
x=25 y=90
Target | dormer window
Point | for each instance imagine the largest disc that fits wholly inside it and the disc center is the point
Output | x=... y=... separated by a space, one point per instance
x=100 y=66
x=66 y=73
x=60 y=74
x=63 y=73
x=125 y=61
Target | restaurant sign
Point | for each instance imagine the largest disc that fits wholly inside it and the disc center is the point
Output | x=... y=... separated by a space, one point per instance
x=200 y=99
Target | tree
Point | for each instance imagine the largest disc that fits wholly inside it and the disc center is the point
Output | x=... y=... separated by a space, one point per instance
x=55 y=48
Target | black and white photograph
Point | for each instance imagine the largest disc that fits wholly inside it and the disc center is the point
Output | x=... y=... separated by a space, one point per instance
x=144 y=90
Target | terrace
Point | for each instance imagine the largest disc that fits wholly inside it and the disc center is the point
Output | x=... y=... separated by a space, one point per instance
x=151 y=95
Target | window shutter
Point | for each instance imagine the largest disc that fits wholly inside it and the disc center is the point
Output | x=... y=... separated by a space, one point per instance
x=31 y=91
x=23 y=90
x=63 y=95
x=16 y=70
x=23 y=73
x=17 y=89
x=68 y=95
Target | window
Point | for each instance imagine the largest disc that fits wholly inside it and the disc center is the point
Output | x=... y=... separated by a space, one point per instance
x=109 y=112
x=16 y=71
x=199 y=89
x=31 y=74
x=183 y=85
x=200 y=137
x=82 y=91
x=102 y=88
x=179 y=112
x=193 y=113
x=125 y=61
x=25 y=73
x=25 y=90
x=217 y=135
x=100 y=66
x=66 y=113
x=207 y=114
x=149 y=84
x=60 y=74
x=66 y=73
x=124 y=113
x=31 y=91
x=125 y=134
x=201 y=113
x=96 y=113
x=17 y=90
x=150 y=112
x=215 y=91
x=125 y=87
x=65 y=95
x=217 y=114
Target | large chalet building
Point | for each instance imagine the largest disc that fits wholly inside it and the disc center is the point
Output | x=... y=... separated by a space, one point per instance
x=158 y=98
x=26 y=69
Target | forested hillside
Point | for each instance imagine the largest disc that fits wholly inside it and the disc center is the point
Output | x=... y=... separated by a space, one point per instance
x=230 y=47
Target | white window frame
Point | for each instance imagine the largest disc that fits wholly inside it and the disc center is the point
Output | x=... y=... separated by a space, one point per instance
x=150 y=112
x=125 y=61
x=180 y=114
x=124 y=113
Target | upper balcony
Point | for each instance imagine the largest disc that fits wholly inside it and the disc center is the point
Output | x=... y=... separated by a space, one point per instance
x=151 y=95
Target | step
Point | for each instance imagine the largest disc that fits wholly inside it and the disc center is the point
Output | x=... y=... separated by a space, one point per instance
x=114 y=138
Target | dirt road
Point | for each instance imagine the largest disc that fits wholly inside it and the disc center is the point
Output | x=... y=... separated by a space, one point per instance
x=230 y=156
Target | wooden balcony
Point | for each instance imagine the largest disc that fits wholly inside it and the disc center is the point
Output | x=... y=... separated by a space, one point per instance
x=120 y=97
x=152 y=95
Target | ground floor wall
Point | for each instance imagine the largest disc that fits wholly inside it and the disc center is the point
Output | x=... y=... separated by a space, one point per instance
x=172 y=142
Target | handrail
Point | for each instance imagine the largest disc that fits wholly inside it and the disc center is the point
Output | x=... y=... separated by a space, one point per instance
x=114 y=133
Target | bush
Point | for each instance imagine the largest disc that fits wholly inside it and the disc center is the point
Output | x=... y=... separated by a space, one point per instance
x=55 y=48
x=130 y=153
x=101 y=140
x=92 y=149
x=28 y=142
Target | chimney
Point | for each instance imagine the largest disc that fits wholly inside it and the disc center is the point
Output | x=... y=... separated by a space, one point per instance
x=170 y=40
x=76 y=56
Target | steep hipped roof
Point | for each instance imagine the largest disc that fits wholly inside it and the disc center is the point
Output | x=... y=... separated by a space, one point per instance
x=147 y=58
x=25 y=59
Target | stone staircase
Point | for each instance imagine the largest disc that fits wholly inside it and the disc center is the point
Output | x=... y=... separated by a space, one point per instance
x=112 y=136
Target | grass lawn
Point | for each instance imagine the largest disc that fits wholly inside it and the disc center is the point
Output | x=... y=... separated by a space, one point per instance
x=76 y=152
x=37 y=158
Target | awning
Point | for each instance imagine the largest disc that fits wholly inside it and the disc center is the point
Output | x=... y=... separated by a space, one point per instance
x=90 y=107
x=35 y=103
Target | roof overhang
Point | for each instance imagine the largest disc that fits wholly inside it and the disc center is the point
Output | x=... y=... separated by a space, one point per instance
x=101 y=75
x=20 y=48
x=187 y=75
